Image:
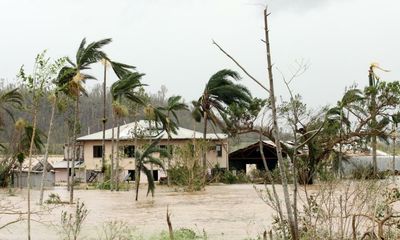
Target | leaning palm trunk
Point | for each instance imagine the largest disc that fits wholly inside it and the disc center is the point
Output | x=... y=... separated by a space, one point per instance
x=204 y=147
x=137 y=165
x=374 y=160
x=169 y=148
x=112 y=154
x=117 y=173
x=292 y=225
x=74 y=151
x=340 y=146
x=30 y=169
x=20 y=176
x=46 y=154
x=103 y=145
x=68 y=160
x=394 y=151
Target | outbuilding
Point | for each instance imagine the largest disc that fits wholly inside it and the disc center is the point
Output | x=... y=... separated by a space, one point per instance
x=249 y=157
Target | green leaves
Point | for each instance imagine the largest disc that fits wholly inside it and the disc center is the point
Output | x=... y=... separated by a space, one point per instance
x=219 y=93
x=147 y=157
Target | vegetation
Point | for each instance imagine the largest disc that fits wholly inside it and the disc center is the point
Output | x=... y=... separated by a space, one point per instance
x=71 y=223
x=144 y=159
x=220 y=92
x=363 y=118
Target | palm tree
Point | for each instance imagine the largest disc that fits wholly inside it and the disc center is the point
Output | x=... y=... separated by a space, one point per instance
x=174 y=104
x=349 y=101
x=121 y=70
x=219 y=93
x=9 y=100
x=373 y=83
x=71 y=80
x=146 y=157
x=125 y=88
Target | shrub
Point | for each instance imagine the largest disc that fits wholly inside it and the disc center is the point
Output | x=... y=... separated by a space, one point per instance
x=366 y=172
x=117 y=230
x=230 y=178
x=189 y=179
x=180 y=234
x=106 y=185
x=71 y=223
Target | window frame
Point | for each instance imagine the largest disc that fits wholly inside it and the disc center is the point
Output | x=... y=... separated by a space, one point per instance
x=218 y=150
x=128 y=153
x=99 y=150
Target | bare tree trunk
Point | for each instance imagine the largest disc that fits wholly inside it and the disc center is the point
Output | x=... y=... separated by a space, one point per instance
x=340 y=145
x=169 y=148
x=394 y=151
x=295 y=166
x=271 y=179
x=292 y=225
x=46 y=154
x=112 y=155
x=374 y=160
x=68 y=165
x=117 y=173
x=20 y=176
x=373 y=83
x=204 y=147
x=30 y=168
x=103 y=145
x=74 y=155
x=137 y=166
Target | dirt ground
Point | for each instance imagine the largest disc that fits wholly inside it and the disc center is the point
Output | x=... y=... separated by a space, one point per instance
x=223 y=212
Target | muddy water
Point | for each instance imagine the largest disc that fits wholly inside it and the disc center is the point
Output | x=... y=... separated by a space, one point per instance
x=224 y=212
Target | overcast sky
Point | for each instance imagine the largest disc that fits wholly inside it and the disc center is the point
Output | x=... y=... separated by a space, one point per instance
x=171 y=40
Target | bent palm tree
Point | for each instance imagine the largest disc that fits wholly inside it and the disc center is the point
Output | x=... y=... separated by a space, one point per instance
x=9 y=100
x=71 y=79
x=349 y=101
x=147 y=157
x=219 y=93
x=174 y=104
x=125 y=88
x=121 y=70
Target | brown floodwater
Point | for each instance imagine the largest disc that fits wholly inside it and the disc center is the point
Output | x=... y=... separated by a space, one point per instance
x=222 y=211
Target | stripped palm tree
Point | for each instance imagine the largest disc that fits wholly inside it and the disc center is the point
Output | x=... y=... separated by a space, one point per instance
x=145 y=157
x=220 y=92
x=125 y=88
x=71 y=81
x=373 y=81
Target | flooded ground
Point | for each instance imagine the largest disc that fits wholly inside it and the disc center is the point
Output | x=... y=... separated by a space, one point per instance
x=224 y=212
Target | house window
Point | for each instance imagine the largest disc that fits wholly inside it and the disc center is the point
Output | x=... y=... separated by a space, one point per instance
x=167 y=148
x=129 y=151
x=97 y=151
x=70 y=172
x=131 y=175
x=155 y=175
x=218 y=149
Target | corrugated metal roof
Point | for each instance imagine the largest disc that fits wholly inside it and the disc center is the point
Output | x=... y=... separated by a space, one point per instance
x=142 y=129
x=64 y=163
